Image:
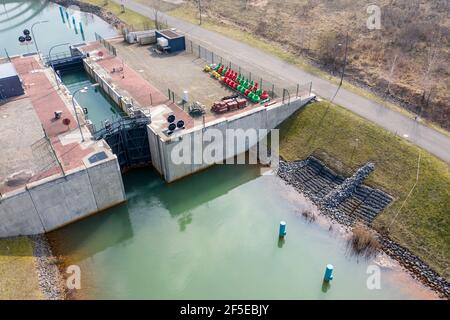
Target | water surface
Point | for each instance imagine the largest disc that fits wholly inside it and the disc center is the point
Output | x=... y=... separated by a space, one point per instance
x=214 y=236
x=98 y=104
x=15 y=16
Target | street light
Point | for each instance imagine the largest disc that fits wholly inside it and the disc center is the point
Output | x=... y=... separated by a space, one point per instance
x=50 y=58
x=82 y=90
x=32 y=33
x=343 y=68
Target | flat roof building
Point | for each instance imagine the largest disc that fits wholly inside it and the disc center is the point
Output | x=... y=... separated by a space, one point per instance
x=175 y=40
x=10 y=84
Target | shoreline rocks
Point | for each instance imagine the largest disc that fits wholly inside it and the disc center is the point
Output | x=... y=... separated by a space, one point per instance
x=50 y=280
x=107 y=16
x=414 y=265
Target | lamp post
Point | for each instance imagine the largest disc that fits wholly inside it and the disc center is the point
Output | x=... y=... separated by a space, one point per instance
x=50 y=58
x=82 y=90
x=343 y=68
x=32 y=33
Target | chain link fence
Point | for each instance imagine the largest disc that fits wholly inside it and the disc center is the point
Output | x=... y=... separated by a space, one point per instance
x=106 y=44
x=158 y=25
x=275 y=91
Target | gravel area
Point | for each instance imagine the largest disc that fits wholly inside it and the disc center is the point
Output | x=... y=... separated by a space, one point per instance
x=51 y=282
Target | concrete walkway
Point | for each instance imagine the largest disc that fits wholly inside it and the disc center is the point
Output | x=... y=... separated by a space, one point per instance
x=423 y=136
x=45 y=100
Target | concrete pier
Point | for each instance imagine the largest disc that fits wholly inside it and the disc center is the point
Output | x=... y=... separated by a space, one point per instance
x=128 y=88
x=48 y=177
x=162 y=146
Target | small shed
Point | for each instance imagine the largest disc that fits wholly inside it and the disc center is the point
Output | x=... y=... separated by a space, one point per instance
x=10 y=84
x=176 y=41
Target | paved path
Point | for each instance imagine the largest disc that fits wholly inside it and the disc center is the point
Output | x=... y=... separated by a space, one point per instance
x=425 y=137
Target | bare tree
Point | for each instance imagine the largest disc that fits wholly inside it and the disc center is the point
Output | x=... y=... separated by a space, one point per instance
x=156 y=12
x=432 y=58
x=392 y=71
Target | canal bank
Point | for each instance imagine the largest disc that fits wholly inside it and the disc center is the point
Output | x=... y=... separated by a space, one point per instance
x=214 y=235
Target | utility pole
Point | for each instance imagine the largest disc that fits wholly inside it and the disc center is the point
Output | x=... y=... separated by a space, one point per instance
x=200 y=11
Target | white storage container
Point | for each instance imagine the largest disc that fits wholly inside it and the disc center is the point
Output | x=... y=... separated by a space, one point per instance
x=163 y=42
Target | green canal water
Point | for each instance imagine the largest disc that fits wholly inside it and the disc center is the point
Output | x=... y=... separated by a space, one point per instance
x=214 y=236
x=15 y=16
x=99 y=105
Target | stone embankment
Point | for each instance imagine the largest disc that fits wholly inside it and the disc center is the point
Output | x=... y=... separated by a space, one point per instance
x=347 y=200
x=50 y=279
x=90 y=8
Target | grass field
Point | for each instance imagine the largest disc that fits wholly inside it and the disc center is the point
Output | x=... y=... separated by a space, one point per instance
x=18 y=277
x=345 y=141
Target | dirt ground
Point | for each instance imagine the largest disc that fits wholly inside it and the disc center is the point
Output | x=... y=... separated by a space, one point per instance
x=177 y=72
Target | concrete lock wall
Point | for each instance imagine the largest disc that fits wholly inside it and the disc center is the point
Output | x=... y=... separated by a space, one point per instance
x=260 y=118
x=59 y=200
x=112 y=93
x=18 y=215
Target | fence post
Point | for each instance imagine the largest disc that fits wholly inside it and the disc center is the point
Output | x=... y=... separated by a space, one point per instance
x=273 y=89
x=250 y=76
x=297 y=90
x=310 y=87
x=212 y=57
x=199 y=51
x=53 y=150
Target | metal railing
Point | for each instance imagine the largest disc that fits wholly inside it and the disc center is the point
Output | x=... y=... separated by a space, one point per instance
x=112 y=50
x=56 y=56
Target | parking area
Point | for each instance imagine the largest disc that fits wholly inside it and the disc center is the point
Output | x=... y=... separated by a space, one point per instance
x=178 y=72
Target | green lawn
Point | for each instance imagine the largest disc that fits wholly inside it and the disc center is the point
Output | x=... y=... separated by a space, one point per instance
x=18 y=276
x=345 y=141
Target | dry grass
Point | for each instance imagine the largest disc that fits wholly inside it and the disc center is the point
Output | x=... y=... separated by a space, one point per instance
x=129 y=17
x=18 y=276
x=363 y=241
x=309 y=31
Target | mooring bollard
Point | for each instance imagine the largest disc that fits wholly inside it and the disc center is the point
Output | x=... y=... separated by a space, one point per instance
x=82 y=31
x=282 y=232
x=61 y=12
x=328 y=273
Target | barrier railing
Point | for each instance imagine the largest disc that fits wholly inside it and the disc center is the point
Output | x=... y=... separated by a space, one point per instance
x=106 y=44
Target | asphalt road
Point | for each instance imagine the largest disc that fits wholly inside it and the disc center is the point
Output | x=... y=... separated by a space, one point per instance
x=422 y=135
